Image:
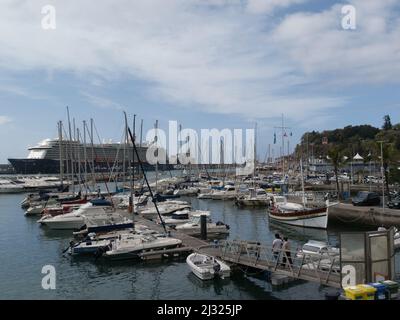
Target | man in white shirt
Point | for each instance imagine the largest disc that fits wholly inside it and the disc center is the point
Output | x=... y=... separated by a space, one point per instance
x=276 y=245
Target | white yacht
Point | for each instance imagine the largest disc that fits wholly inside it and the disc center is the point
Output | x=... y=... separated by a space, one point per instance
x=255 y=198
x=193 y=227
x=165 y=208
x=228 y=193
x=77 y=219
x=190 y=191
x=207 y=267
x=182 y=216
x=130 y=247
x=315 y=248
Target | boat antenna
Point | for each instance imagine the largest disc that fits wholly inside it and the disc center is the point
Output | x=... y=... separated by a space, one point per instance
x=145 y=178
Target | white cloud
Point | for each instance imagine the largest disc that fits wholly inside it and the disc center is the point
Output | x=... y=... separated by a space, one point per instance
x=268 y=6
x=101 y=102
x=222 y=59
x=5 y=120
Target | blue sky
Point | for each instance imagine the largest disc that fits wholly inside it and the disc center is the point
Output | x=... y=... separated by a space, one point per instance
x=204 y=63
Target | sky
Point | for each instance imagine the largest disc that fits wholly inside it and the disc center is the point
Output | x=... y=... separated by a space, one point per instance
x=204 y=63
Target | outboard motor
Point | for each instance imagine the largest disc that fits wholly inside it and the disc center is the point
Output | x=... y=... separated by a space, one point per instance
x=216 y=268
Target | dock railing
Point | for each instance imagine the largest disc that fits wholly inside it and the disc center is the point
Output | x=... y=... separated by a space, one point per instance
x=321 y=268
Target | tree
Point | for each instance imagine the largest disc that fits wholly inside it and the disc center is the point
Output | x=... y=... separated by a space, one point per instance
x=387 y=123
x=389 y=157
x=337 y=159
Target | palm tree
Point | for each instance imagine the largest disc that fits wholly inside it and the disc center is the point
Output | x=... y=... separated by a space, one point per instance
x=389 y=153
x=337 y=159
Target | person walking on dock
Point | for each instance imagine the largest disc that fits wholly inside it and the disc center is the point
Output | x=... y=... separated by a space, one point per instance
x=276 y=245
x=286 y=252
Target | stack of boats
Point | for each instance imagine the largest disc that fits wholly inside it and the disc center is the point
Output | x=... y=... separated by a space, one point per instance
x=8 y=186
x=27 y=184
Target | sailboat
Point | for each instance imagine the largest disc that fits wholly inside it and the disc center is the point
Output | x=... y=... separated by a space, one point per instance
x=299 y=214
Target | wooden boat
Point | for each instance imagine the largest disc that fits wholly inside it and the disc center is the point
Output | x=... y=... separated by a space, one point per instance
x=299 y=215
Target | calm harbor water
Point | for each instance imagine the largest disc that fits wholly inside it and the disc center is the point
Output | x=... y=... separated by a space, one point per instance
x=26 y=247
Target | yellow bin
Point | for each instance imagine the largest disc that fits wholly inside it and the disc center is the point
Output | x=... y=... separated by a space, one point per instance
x=354 y=293
x=368 y=291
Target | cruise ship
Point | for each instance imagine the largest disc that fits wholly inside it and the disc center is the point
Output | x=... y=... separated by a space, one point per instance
x=44 y=158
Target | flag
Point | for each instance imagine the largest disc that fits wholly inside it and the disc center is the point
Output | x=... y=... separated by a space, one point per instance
x=285 y=135
x=291 y=134
x=274 y=138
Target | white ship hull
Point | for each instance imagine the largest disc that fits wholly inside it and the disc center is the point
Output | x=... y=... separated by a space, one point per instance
x=312 y=221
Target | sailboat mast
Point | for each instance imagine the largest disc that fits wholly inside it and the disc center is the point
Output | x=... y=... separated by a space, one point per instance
x=92 y=145
x=129 y=162
x=124 y=155
x=255 y=151
x=71 y=151
x=141 y=132
x=302 y=181
x=60 y=140
x=85 y=153
x=133 y=157
x=283 y=148
x=79 y=157
x=156 y=139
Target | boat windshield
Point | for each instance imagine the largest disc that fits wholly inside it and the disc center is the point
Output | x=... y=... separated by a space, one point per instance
x=180 y=216
x=310 y=248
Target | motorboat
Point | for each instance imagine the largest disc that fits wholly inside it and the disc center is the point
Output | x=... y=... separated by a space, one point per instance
x=193 y=227
x=132 y=246
x=182 y=216
x=39 y=208
x=207 y=267
x=165 y=208
x=98 y=244
x=121 y=201
x=54 y=206
x=114 y=222
x=255 y=198
x=316 y=249
x=229 y=192
x=75 y=220
x=89 y=246
x=189 y=191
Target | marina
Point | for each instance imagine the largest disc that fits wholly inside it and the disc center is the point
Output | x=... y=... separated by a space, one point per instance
x=144 y=216
x=199 y=152
x=246 y=249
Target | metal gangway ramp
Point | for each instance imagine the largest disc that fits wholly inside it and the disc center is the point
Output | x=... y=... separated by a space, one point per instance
x=323 y=269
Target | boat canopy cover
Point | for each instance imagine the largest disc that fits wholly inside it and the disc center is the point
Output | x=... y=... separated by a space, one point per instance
x=101 y=202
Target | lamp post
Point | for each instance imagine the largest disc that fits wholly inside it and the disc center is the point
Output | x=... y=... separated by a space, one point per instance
x=383 y=177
